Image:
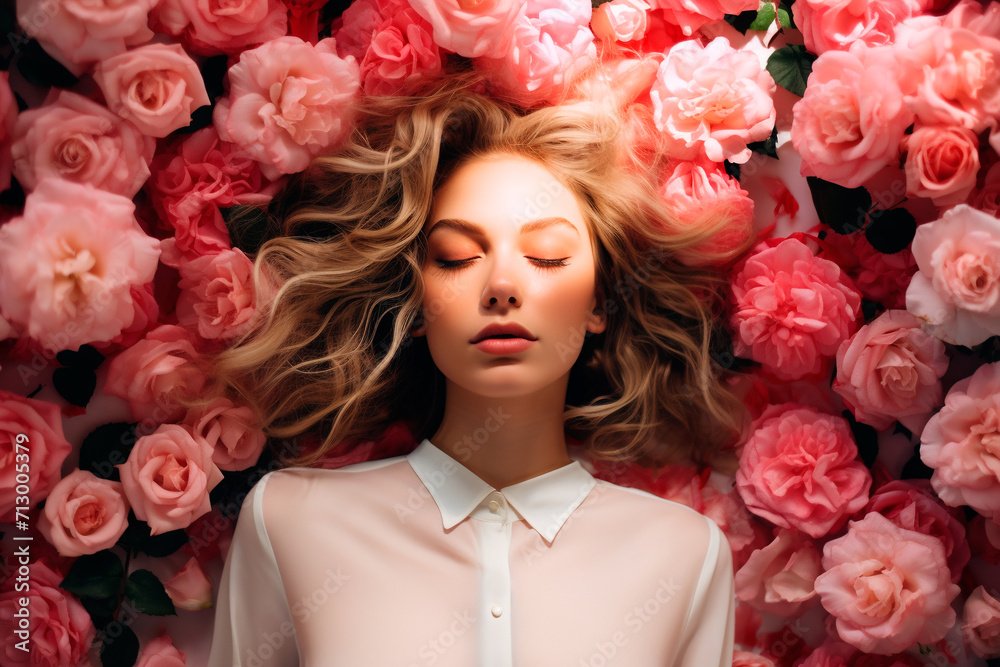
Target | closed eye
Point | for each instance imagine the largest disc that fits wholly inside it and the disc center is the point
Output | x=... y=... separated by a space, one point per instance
x=540 y=263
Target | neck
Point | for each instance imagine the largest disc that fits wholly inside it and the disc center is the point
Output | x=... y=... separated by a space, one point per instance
x=504 y=440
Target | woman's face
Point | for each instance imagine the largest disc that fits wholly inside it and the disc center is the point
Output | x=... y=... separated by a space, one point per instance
x=507 y=245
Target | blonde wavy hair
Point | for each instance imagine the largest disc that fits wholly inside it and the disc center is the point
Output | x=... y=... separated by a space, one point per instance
x=339 y=284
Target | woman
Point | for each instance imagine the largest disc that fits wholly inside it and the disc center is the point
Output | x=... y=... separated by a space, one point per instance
x=504 y=282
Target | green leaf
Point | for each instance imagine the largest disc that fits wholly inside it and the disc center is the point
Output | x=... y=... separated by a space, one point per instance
x=891 y=231
x=105 y=447
x=844 y=210
x=765 y=17
x=784 y=16
x=741 y=21
x=119 y=646
x=96 y=575
x=146 y=592
x=790 y=67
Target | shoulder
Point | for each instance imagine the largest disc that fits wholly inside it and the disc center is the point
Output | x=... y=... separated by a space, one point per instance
x=287 y=492
x=659 y=513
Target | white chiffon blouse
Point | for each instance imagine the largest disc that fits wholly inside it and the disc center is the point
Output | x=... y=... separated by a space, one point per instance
x=414 y=560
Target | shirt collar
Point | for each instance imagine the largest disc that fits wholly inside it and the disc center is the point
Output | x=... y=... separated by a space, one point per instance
x=545 y=501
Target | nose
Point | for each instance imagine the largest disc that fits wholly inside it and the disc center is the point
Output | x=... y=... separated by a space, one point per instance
x=500 y=286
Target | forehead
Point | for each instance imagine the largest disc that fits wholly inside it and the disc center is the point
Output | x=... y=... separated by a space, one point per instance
x=504 y=192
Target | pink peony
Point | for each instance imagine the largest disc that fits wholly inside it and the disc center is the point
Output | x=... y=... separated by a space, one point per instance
x=799 y=469
x=747 y=659
x=890 y=369
x=33 y=444
x=879 y=277
x=61 y=631
x=161 y=652
x=68 y=264
x=470 y=28
x=887 y=587
x=8 y=119
x=399 y=50
x=981 y=623
x=955 y=81
x=80 y=32
x=74 y=138
x=168 y=476
x=211 y=28
x=217 y=297
x=620 y=20
x=151 y=373
x=156 y=87
x=941 y=163
x=700 y=191
x=288 y=102
x=552 y=44
x=84 y=514
x=961 y=444
x=145 y=314
x=779 y=578
x=712 y=101
x=232 y=431
x=828 y=25
x=987 y=197
x=956 y=293
x=792 y=309
x=690 y=15
x=911 y=504
x=851 y=120
x=190 y=588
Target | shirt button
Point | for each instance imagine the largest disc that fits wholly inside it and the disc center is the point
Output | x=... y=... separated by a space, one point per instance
x=494 y=506
x=496 y=611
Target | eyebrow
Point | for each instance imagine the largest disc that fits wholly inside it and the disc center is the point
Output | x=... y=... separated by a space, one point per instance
x=472 y=229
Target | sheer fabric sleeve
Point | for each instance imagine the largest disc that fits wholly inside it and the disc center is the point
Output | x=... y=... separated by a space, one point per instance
x=711 y=624
x=253 y=622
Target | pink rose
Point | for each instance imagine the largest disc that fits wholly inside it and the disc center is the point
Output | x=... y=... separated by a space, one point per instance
x=697 y=191
x=217 y=297
x=552 y=44
x=987 y=198
x=910 y=504
x=211 y=28
x=887 y=587
x=694 y=83
x=190 y=588
x=879 y=277
x=151 y=373
x=288 y=102
x=956 y=292
x=747 y=659
x=792 y=309
x=981 y=623
x=161 y=652
x=84 y=514
x=80 y=32
x=470 y=28
x=941 y=163
x=620 y=20
x=799 y=469
x=156 y=87
x=68 y=264
x=960 y=443
x=400 y=50
x=890 y=369
x=828 y=25
x=779 y=578
x=851 y=120
x=77 y=139
x=61 y=630
x=693 y=14
x=232 y=431
x=31 y=443
x=168 y=476
x=955 y=83
x=8 y=119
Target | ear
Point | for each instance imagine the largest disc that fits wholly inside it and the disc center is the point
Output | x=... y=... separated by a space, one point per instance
x=418 y=328
x=597 y=322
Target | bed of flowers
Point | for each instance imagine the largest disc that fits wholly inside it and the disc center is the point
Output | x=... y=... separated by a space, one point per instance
x=857 y=140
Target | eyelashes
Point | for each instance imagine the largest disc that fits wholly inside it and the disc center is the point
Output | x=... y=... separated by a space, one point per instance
x=539 y=263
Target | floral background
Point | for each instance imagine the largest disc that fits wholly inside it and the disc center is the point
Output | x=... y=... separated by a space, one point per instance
x=857 y=141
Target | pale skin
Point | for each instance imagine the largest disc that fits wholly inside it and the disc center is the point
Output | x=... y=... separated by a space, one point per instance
x=520 y=251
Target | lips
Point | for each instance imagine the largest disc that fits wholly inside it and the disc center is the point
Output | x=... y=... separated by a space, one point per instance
x=507 y=330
